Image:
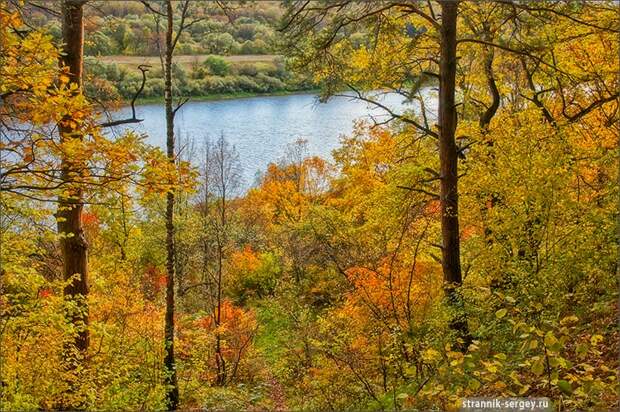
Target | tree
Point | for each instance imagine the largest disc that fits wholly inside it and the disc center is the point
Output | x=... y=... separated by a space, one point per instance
x=217 y=65
x=411 y=45
x=70 y=205
x=301 y=17
x=65 y=167
x=169 y=361
x=171 y=38
x=448 y=163
x=224 y=178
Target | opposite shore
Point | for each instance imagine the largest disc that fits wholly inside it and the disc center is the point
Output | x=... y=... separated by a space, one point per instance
x=222 y=96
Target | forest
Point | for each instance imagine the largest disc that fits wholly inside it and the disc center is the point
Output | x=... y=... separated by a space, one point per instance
x=463 y=245
x=116 y=29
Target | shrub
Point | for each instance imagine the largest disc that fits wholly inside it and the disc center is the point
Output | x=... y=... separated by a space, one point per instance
x=219 y=85
x=254 y=274
x=247 y=84
x=195 y=87
x=153 y=88
x=102 y=89
x=257 y=46
x=219 y=43
x=270 y=84
x=217 y=65
x=247 y=69
x=246 y=31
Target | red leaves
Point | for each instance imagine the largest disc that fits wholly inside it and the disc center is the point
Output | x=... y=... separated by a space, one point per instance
x=90 y=219
x=160 y=281
x=46 y=293
x=154 y=279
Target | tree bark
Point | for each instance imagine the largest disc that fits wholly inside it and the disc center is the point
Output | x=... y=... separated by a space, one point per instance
x=448 y=159
x=219 y=358
x=172 y=395
x=70 y=204
x=73 y=245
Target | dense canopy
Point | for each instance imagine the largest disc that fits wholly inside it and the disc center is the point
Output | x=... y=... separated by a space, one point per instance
x=463 y=246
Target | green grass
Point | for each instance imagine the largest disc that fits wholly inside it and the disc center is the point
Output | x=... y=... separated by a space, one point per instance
x=271 y=336
x=187 y=61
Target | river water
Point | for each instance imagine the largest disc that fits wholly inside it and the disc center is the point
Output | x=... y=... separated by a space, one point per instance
x=260 y=128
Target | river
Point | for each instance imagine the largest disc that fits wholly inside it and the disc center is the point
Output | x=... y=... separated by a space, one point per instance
x=260 y=128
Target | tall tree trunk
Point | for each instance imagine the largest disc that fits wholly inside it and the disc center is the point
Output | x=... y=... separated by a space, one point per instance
x=69 y=215
x=74 y=247
x=448 y=159
x=172 y=396
x=219 y=358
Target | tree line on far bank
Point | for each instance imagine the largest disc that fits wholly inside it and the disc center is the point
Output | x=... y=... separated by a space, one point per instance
x=204 y=76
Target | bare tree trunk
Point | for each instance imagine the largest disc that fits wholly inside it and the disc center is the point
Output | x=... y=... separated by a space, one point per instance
x=205 y=216
x=221 y=363
x=448 y=159
x=219 y=359
x=172 y=396
x=70 y=205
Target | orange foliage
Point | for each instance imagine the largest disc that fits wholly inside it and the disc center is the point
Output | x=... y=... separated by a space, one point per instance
x=286 y=192
x=90 y=219
x=395 y=287
x=197 y=338
x=46 y=293
x=467 y=232
x=433 y=208
x=153 y=279
x=245 y=261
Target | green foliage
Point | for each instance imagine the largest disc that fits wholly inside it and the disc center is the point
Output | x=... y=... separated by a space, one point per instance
x=130 y=30
x=110 y=81
x=321 y=288
x=217 y=66
x=254 y=276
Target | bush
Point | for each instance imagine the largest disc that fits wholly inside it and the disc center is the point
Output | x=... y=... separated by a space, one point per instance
x=217 y=65
x=270 y=69
x=111 y=72
x=219 y=43
x=195 y=87
x=101 y=89
x=178 y=73
x=247 y=69
x=247 y=84
x=246 y=31
x=270 y=84
x=219 y=85
x=153 y=88
x=190 y=48
x=252 y=69
x=254 y=47
x=99 y=45
x=254 y=274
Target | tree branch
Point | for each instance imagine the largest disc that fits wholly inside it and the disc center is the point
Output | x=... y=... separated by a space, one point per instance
x=133 y=119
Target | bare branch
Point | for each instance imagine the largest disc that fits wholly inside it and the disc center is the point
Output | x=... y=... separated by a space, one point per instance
x=179 y=105
x=133 y=119
x=152 y=9
x=402 y=118
x=592 y=106
x=415 y=189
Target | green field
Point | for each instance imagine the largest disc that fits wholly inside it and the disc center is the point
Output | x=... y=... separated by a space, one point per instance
x=186 y=60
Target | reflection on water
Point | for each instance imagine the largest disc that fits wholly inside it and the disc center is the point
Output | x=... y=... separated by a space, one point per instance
x=261 y=127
